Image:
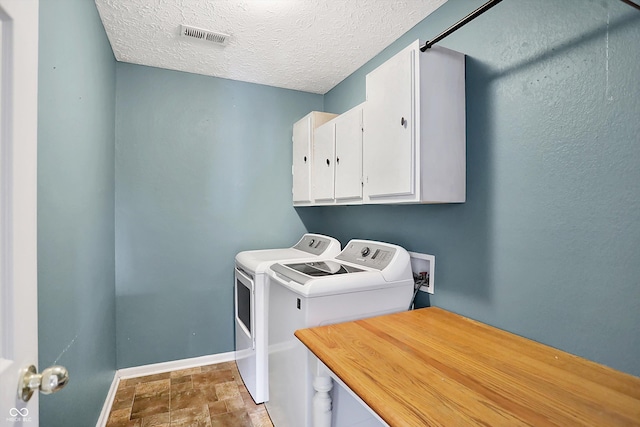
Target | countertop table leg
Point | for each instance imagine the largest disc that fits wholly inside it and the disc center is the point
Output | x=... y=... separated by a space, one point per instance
x=322 y=384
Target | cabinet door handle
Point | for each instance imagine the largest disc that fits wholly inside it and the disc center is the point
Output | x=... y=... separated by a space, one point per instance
x=328 y=162
x=338 y=160
x=403 y=122
x=305 y=159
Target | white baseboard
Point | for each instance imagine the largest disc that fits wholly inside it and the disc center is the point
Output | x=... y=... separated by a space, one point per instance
x=174 y=365
x=157 y=368
x=106 y=408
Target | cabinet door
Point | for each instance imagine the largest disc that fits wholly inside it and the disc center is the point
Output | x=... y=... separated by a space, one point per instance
x=389 y=128
x=348 y=181
x=302 y=160
x=323 y=162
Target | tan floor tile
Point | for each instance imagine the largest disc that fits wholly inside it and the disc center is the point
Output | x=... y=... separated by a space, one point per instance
x=227 y=390
x=209 y=393
x=198 y=423
x=181 y=387
x=137 y=380
x=123 y=398
x=181 y=380
x=232 y=419
x=196 y=416
x=249 y=404
x=118 y=417
x=207 y=396
x=212 y=377
x=144 y=406
x=128 y=382
x=239 y=380
x=217 y=408
x=187 y=399
x=234 y=404
x=218 y=366
x=152 y=387
x=127 y=423
x=248 y=400
x=158 y=420
x=260 y=419
x=185 y=372
x=203 y=423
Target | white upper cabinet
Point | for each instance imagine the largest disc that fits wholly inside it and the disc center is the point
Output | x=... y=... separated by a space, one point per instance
x=337 y=160
x=323 y=169
x=389 y=149
x=303 y=134
x=405 y=144
x=348 y=136
x=414 y=128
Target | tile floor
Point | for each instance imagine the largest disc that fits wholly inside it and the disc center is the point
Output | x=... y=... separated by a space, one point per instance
x=207 y=396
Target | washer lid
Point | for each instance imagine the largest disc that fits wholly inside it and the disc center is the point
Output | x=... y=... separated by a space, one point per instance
x=323 y=268
x=303 y=272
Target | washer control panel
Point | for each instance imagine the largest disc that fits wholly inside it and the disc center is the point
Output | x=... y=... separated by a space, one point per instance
x=370 y=254
x=315 y=245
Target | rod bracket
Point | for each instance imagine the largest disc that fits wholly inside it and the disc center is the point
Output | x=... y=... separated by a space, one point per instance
x=425 y=46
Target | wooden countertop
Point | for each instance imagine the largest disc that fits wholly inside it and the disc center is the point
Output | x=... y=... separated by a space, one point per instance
x=430 y=367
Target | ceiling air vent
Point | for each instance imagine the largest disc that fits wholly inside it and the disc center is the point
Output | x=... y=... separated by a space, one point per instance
x=199 y=33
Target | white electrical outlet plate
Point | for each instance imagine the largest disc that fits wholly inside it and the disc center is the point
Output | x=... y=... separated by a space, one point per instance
x=424 y=262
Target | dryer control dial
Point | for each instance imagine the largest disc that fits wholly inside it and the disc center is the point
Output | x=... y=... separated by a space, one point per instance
x=365 y=251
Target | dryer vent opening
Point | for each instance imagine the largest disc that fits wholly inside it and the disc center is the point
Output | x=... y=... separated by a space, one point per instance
x=199 y=33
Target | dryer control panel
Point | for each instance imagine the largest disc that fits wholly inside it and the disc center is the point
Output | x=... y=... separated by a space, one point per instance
x=369 y=254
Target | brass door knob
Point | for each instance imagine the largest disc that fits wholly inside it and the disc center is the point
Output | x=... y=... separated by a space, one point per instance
x=49 y=381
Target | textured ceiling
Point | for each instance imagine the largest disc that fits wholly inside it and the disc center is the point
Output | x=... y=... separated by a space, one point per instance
x=308 y=45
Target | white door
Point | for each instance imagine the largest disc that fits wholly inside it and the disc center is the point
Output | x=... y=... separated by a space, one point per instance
x=245 y=311
x=302 y=160
x=323 y=163
x=388 y=127
x=348 y=181
x=18 y=278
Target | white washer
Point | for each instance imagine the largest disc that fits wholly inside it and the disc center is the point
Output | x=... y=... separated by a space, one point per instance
x=366 y=279
x=251 y=310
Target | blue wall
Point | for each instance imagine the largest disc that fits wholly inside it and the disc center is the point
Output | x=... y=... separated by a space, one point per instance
x=76 y=272
x=547 y=244
x=203 y=171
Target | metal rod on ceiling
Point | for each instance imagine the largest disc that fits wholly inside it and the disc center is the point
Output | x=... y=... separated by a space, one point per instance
x=633 y=4
x=473 y=15
x=470 y=17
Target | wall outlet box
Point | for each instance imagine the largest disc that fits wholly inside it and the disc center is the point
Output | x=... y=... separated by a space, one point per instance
x=421 y=263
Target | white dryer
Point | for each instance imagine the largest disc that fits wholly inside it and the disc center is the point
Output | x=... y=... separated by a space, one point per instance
x=366 y=279
x=251 y=310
